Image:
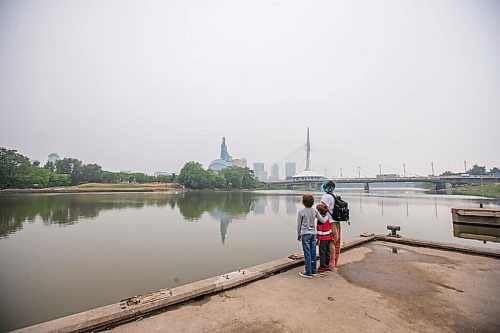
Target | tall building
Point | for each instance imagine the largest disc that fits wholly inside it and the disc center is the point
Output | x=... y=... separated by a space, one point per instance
x=53 y=157
x=258 y=171
x=226 y=160
x=290 y=169
x=275 y=172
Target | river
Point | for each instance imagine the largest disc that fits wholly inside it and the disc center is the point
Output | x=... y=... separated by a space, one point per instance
x=65 y=253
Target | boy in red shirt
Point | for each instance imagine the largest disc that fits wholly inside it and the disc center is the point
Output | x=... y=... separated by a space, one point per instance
x=324 y=237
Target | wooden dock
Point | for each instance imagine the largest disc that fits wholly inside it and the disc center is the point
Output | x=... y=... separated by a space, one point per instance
x=487 y=216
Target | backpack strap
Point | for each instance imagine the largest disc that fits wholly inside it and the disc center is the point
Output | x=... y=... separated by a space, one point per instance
x=334 y=198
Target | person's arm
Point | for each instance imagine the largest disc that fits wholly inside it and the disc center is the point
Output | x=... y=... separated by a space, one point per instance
x=320 y=218
x=299 y=224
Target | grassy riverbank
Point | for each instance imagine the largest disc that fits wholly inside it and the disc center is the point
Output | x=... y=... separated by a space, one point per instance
x=152 y=186
x=99 y=187
x=486 y=190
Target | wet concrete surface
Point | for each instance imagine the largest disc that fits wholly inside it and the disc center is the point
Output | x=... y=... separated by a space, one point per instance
x=373 y=290
x=404 y=278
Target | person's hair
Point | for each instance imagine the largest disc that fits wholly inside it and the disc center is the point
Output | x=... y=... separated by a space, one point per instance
x=322 y=209
x=308 y=200
x=328 y=186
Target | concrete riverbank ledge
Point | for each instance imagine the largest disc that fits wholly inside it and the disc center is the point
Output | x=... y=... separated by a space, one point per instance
x=383 y=284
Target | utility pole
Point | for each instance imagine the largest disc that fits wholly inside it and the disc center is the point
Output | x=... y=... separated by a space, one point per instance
x=432 y=167
x=325 y=172
x=359 y=172
x=465 y=166
x=379 y=169
x=404 y=170
x=340 y=173
x=308 y=153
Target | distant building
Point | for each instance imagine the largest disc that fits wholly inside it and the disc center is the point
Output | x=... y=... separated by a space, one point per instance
x=225 y=160
x=308 y=175
x=239 y=162
x=290 y=169
x=161 y=173
x=53 y=157
x=258 y=171
x=275 y=172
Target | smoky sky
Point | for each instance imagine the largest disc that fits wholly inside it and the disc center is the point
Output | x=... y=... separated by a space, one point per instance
x=149 y=85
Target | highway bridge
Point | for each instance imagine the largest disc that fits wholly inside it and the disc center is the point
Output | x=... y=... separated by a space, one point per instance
x=441 y=182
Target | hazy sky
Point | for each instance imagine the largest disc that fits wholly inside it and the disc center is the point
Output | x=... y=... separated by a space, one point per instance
x=149 y=85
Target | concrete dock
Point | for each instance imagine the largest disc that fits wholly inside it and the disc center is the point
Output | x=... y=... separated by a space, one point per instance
x=383 y=284
x=415 y=289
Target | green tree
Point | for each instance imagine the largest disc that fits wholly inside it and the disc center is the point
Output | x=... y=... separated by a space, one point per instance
x=192 y=175
x=237 y=177
x=13 y=168
x=91 y=173
x=71 y=167
x=50 y=166
x=477 y=170
x=16 y=171
x=494 y=170
x=233 y=177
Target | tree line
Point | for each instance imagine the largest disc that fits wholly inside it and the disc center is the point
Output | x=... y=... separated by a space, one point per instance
x=194 y=176
x=17 y=171
x=476 y=170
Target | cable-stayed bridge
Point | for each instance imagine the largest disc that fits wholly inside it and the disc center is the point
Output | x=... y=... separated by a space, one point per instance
x=350 y=169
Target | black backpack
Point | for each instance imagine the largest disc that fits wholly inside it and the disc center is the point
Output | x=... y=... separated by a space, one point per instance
x=340 y=209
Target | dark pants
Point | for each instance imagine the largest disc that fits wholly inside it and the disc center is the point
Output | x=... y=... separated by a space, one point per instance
x=324 y=253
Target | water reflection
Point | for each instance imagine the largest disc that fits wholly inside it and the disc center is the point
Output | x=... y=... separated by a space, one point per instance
x=192 y=205
x=260 y=205
x=478 y=232
x=227 y=229
x=67 y=209
x=291 y=205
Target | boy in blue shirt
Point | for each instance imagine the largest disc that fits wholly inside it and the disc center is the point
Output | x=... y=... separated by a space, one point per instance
x=306 y=233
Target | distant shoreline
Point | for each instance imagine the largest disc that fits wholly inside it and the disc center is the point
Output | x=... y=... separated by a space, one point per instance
x=485 y=190
x=101 y=188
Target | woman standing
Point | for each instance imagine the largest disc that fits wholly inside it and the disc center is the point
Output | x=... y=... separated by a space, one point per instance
x=328 y=199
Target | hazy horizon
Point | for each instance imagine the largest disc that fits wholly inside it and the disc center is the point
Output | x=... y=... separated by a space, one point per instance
x=148 y=86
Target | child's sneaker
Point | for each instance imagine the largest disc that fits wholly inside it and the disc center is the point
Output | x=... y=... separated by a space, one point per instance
x=303 y=274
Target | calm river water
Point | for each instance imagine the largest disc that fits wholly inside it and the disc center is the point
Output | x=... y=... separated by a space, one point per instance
x=65 y=253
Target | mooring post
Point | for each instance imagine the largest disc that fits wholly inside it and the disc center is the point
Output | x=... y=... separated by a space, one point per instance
x=394 y=229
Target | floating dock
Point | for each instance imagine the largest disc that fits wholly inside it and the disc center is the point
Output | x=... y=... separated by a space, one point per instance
x=476 y=223
x=476 y=216
x=384 y=283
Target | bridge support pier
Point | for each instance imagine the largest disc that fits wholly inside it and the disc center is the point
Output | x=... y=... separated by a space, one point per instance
x=367 y=187
x=444 y=187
